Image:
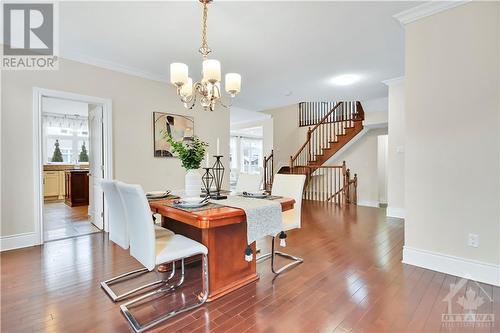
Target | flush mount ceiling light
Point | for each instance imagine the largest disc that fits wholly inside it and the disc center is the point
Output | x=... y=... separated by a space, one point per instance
x=345 y=80
x=209 y=87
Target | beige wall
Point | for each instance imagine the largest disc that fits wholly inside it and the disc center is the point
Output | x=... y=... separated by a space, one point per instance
x=288 y=137
x=395 y=151
x=452 y=158
x=361 y=157
x=134 y=99
x=378 y=118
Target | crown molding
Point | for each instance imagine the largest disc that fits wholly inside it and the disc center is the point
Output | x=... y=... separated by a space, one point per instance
x=114 y=67
x=426 y=9
x=395 y=80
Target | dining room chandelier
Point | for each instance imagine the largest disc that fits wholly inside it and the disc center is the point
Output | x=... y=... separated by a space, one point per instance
x=208 y=90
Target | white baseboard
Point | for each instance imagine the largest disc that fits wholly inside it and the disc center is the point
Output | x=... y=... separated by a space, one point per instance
x=368 y=203
x=465 y=268
x=18 y=241
x=395 y=212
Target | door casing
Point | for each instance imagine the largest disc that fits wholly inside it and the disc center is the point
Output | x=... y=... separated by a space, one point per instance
x=38 y=94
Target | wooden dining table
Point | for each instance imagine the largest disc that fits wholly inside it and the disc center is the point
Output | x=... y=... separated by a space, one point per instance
x=223 y=231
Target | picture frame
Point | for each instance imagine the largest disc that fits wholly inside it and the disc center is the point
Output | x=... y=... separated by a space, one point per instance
x=179 y=126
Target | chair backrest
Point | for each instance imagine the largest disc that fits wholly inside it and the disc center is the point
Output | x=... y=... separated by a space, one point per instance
x=118 y=229
x=290 y=186
x=248 y=182
x=140 y=227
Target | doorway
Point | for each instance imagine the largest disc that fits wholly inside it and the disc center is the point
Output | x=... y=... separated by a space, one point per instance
x=74 y=149
x=245 y=152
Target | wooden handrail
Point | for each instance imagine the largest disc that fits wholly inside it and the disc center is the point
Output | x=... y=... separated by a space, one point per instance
x=326 y=117
x=331 y=183
x=309 y=131
x=268 y=171
x=332 y=126
x=319 y=166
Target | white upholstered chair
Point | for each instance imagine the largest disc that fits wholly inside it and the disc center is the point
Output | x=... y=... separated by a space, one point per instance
x=118 y=234
x=151 y=251
x=290 y=186
x=249 y=182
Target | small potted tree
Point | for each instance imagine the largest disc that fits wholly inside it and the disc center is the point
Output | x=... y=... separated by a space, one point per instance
x=83 y=157
x=57 y=155
x=190 y=152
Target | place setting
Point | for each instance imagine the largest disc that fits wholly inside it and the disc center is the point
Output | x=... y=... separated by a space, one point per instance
x=160 y=195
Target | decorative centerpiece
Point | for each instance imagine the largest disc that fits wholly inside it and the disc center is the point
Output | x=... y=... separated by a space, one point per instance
x=190 y=151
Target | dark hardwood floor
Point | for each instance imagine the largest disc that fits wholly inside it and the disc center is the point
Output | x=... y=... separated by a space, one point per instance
x=352 y=280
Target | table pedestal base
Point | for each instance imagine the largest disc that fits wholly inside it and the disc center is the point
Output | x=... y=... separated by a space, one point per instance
x=226 y=245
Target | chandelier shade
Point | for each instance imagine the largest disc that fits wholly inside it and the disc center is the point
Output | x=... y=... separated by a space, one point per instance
x=208 y=89
x=178 y=73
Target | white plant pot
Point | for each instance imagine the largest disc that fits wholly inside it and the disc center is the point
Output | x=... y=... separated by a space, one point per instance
x=192 y=183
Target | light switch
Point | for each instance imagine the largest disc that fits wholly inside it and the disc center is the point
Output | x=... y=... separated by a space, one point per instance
x=400 y=149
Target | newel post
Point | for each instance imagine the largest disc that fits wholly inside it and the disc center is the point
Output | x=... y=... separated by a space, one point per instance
x=347 y=185
x=309 y=145
x=355 y=199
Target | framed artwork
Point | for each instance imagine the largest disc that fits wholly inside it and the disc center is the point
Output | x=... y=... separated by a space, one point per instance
x=179 y=127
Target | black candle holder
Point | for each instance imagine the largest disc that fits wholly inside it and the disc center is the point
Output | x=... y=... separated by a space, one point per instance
x=208 y=180
x=218 y=174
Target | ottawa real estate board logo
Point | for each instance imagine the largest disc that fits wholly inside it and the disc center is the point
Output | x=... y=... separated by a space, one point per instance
x=29 y=36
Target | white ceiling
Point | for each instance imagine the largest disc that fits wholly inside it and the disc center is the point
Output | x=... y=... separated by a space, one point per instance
x=278 y=47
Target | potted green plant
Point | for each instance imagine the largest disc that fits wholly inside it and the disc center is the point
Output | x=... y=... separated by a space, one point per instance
x=191 y=152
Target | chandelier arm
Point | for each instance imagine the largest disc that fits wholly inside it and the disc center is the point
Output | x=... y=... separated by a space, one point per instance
x=190 y=102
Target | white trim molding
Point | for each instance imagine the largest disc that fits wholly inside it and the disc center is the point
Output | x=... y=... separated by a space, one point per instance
x=396 y=80
x=444 y=263
x=18 y=241
x=400 y=213
x=368 y=203
x=107 y=106
x=425 y=10
x=114 y=66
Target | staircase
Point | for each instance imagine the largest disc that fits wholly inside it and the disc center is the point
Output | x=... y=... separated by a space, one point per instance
x=332 y=132
x=332 y=126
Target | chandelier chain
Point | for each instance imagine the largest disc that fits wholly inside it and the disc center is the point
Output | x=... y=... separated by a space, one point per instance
x=204 y=49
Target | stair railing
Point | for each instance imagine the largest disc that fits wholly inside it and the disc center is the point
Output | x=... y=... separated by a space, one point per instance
x=329 y=183
x=268 y=171
x=326 y=131
x=350 y=187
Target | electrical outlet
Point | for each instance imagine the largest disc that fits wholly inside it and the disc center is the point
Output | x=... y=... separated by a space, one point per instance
x=473 y=240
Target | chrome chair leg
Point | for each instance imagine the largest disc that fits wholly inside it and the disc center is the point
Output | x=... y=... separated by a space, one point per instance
x=137 y=327
x=295 y=260
x=106 y=285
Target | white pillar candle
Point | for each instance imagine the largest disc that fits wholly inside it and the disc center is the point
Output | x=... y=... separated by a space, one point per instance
x=187 y=88
x=207 y=160
x=218 y=152
x=178 y=73
x=233 y=83
x=211 y=70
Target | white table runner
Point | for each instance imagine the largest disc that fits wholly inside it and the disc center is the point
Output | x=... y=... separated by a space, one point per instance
x=264 y=217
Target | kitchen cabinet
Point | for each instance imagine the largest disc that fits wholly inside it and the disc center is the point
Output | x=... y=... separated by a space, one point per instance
x=77 y=187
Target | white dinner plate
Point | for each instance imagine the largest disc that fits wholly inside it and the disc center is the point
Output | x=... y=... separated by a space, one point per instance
x=183 y=204
x=157 y=194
